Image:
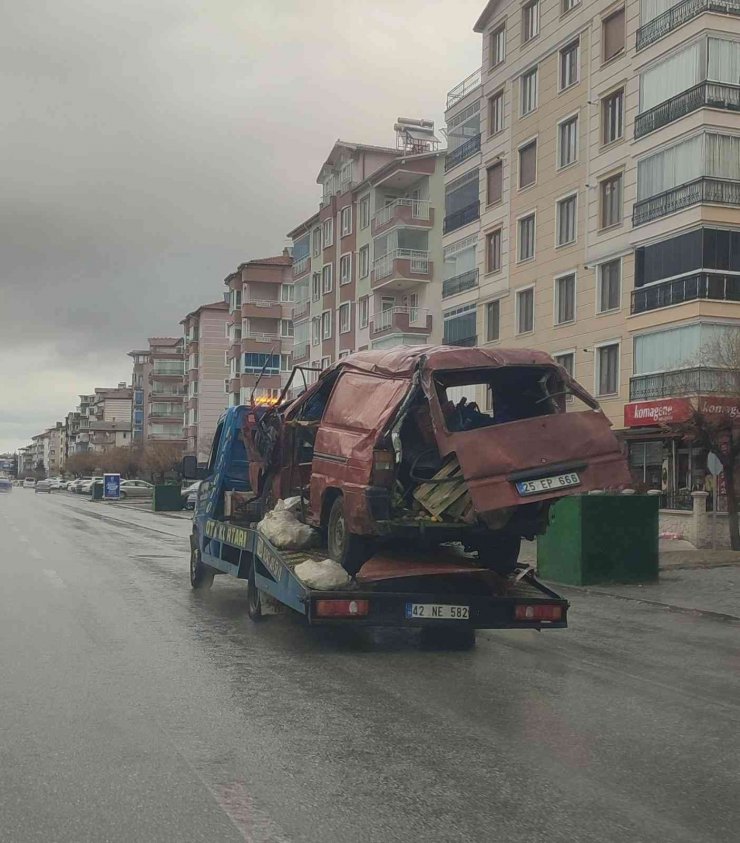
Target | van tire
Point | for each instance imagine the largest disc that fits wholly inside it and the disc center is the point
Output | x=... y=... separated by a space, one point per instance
x=499 y=552
x=201 y=575
x=348 y=549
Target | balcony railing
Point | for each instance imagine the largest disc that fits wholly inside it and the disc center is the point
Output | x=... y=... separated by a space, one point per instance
x=701 y=285
x=301 y=351
x=301 y=266
x=677 y=15
x=457 y=219
x=460 y=283
x=705 y=189
x=709 y=94
x=470 y=340
x=420 y=210
x=465 y=150
x=697 y=381
x=263 y=302
x=470 y=83
x=418 y=262
x=301 y=308
x=415 y=320
x=260 y=337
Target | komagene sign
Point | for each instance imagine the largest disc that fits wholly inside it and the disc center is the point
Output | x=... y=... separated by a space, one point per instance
x=651 y=413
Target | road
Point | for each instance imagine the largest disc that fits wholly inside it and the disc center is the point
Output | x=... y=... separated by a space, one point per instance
x=133 y=709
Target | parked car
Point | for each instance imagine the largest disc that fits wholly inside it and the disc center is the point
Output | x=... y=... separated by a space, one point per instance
x=55 y=483
x=85 y=488
x=136 y=489
x=29 y=483
x=5 y=485
x=190 y=494
x=44 y=486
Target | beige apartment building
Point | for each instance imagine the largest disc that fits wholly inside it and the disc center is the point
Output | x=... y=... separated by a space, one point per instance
x=110 y=418
x=157 y=391
x=367 y=263
x=604 y=142
x=206 y=345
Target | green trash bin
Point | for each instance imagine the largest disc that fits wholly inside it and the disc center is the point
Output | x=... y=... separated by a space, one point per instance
x=167 y=498
x=596 y=539
x=96 y=491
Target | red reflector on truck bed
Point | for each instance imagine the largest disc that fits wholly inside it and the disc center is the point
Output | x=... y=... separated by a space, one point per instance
x=342 y=608
x=538 y=612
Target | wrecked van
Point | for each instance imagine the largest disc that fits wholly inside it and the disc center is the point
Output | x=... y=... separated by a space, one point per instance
x=431 y=445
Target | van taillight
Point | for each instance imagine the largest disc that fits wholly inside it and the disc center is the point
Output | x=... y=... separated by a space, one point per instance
x=383 y=467
x=538 y=612
x=342 y=608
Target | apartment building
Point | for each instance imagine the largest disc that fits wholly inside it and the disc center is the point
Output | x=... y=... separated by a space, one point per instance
x=110 y=418
x=206 y=346
x=157 y=391
x=25 y=462
x=259 y=328
x=367 y=263
x=604 y=142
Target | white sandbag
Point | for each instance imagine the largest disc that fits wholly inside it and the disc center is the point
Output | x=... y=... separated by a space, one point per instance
x=291 y=504
x=282 y=529
x=323 y=576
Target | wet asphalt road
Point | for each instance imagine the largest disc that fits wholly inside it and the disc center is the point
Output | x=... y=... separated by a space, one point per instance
x=132 y=709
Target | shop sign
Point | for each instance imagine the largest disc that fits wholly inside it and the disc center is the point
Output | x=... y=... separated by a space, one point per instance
x=715 y=405
x=650 y=413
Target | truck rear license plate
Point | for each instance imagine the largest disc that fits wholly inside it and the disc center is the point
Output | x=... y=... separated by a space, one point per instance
x=437 y=612
x=548 y=484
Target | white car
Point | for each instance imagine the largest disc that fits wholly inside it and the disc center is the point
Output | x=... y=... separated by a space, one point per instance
x=29 y=483
x=136 y=489
x=191 y=494
x=85 y=488
x=43 y=486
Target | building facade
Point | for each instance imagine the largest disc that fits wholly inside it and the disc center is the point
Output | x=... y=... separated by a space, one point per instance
x=604 y=141
x=157 y=391
x=206 y=345
x=110 y=418
x=367 y=264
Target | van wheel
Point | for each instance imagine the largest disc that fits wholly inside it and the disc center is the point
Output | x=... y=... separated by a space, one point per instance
x=348 y=549
x=254 y=597
x=499 y=552
x=201 y=575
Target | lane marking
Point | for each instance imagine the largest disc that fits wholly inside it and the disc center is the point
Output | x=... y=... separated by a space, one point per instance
x=54 y=578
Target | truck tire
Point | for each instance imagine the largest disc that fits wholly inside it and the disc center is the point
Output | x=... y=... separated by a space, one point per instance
x=348 y=549
x=499 y=552
x=254 y=598
x=452 y=638
x=201 y=576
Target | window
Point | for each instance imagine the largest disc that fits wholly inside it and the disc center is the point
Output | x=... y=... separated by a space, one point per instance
x=493 y=251
x=612 y=117
x=364 y=261
x=345 y=269
x=328 y=229
x=315 y=330
x=565 y=299
x=568 y=361
x=498 y=45
x=530 y=20
x=610 y=191
x=253 y=363
x=612 y=35
x=326 y=325
x=567 y=220
x=285 y=363
x=346 y=219
x=568 y=141
x=344 y=318
x=525 y=311
x=460 y=325
x=570 y=4
x=365 y=211
x=494 y=183
x=286 y=328
x=316 y=242
x=493 y=321
x=227 y=386
x=316 y=286
x=325 y=363
x=364 y=316
x=527 y=164
x=496 y=113
x=227 y=357
x=607 y=369
x=526 y=237
x=610 y=286
x=569 y=65
x=326 y=278
x=343 y=354
x=528 y=83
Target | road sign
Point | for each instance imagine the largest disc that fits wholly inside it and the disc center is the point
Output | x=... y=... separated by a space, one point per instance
x=111 y=487
x=714 y=464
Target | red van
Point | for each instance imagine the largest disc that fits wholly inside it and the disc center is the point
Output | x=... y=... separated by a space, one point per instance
x=429 y=445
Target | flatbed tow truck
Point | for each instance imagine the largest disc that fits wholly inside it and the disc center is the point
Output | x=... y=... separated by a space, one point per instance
x=442 y=591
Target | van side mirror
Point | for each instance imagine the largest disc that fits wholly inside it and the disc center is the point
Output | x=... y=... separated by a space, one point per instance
x=189 y=469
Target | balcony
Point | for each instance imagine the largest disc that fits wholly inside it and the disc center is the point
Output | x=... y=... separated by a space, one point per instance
x=462 y=152
x=679 y=14
x=460 y=283
x=301 y=352
x=301 y=309
x=174 y=436
x=468 y=341
x=401 y=320
x=416 y=213
x=696 y=381
x=701 y=285
x=703 y=95
x=457 y=219
x=262 y=308
x=406 y=264
x=705 y=189
x=301 y=266
x=167 y=372
x=459 y=92
x=262 y=343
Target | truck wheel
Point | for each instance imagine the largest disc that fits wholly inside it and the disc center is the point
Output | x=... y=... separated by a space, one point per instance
x=348 y=549
x=499 y=552
x=201 y=576
x=254 y=598
x=453 y=638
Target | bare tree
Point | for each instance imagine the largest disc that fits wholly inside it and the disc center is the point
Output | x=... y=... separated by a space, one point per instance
x=82 y=464
x=162 y=458
x=123 y=461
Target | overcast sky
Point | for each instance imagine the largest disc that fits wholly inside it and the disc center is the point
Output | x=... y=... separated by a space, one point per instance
x=149 y=146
